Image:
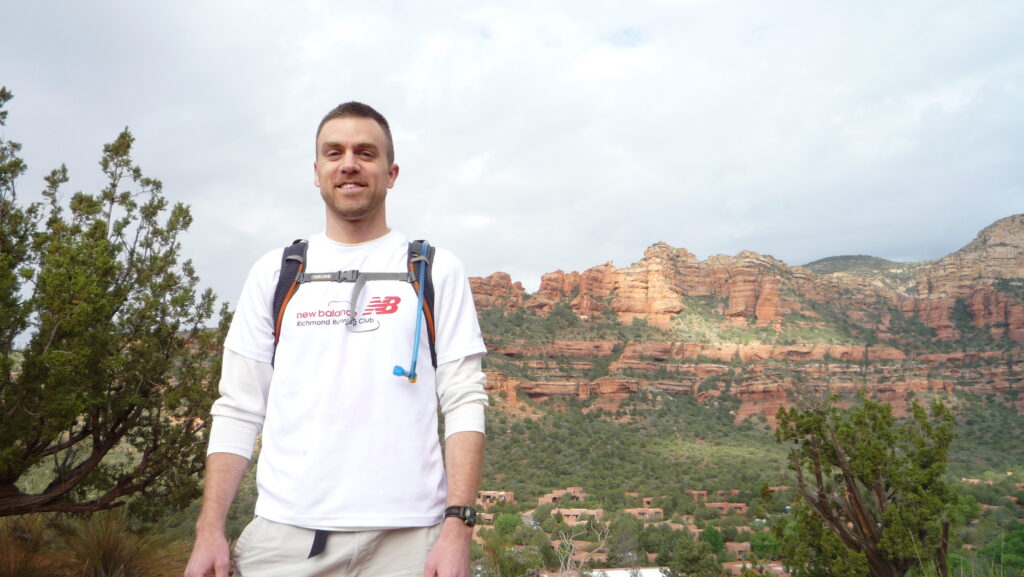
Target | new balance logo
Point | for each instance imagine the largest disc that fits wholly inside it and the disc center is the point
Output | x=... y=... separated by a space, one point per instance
x=382 y=306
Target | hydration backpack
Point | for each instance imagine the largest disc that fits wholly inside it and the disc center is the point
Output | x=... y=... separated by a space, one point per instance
x=420 y=260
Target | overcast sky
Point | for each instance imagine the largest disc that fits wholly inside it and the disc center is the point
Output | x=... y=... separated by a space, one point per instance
x=535 y=136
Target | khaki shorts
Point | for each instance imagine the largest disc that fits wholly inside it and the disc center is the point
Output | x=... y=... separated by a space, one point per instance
x=269 y=549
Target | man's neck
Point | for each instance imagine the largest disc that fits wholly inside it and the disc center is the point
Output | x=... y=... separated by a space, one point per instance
x=357 y=232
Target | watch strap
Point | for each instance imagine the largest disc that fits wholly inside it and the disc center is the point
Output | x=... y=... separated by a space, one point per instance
x=464 y=512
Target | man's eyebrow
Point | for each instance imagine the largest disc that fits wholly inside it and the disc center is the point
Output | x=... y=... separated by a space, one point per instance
x=361 y=145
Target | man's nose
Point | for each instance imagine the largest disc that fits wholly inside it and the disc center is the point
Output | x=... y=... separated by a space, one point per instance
x=348 y=162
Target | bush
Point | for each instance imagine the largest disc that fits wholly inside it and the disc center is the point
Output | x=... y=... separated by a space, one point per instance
x=104 y=546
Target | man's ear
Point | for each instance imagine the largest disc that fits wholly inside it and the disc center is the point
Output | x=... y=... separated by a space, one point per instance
x=392 y=175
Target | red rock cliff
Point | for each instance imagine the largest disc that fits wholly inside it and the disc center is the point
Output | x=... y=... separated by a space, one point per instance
x=754 y=326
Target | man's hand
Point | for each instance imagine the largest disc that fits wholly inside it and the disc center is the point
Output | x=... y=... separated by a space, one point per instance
x=210 y=556
x=449 y=557
x=464 y=457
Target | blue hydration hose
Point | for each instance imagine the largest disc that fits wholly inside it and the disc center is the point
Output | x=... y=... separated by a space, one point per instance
x=398 y=370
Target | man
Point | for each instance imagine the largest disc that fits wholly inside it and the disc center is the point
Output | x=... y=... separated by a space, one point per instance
x=351 y=479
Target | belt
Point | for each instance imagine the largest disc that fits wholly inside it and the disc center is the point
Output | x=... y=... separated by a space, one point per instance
x=319 y=543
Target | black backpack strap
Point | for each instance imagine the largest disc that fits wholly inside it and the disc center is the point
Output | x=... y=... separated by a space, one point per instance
x=416 y=260
x=293 y=262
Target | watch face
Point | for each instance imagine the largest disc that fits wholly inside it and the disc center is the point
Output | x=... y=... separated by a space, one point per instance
x=466 y=513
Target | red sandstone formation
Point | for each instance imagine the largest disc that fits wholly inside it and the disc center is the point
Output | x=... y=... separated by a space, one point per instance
x=497 y=290
x=980 y=285
x=970 y=274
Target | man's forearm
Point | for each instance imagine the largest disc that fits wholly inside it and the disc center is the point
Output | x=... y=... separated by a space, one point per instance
x=224 y=472
x=464 y=461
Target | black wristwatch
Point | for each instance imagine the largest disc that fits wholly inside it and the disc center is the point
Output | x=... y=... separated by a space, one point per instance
x=467 y=514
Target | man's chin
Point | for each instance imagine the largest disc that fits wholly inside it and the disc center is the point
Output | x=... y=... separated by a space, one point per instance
x=351 y=213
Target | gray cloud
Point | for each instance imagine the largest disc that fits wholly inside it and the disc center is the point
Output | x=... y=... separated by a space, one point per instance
x=535 y=136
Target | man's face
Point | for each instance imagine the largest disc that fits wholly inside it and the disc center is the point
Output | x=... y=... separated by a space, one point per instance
x=352 y=169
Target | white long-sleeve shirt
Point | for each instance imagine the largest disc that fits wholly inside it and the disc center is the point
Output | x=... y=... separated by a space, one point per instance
x=346 y=443
x=238 y=414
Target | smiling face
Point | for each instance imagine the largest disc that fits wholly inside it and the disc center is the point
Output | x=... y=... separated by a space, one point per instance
x=354 y=174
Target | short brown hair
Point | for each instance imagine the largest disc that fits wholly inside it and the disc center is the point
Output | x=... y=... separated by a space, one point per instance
x=360 y=110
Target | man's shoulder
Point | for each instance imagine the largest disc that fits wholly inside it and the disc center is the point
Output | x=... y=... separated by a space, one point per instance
x=274 y=255
x=271 y=259
x=447 y=265
x=267 y=268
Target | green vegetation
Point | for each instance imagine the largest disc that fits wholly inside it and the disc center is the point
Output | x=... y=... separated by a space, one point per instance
x=972 y=338
x=691 y=558
x=1006 y=552
x=108 y=398
x=654 y=444
x=662 y=445
x=891 y=274
x=852 y=264
x=502 y=326
x=913 y=334
x=703 y=321
x=874 y=485
x=1012 y=287
x=989 y=434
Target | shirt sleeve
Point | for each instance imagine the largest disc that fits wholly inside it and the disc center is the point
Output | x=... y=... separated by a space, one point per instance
x=252 y=327
x=238 y=413
x=457 y=328
x=461 y=396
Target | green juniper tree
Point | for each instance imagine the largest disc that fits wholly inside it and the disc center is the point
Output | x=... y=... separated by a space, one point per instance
x=106 y=370
x=872 y=485
x=692 y=558
x=713 y=537
x=764 y=545
x=1006 y=550
x=624 y=540
x=16 y=226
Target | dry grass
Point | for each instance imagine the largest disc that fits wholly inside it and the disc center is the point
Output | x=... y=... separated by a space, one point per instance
x=24 y=542
x=101 y=545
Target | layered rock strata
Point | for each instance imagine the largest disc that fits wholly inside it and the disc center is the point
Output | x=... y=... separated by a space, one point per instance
x=958 y=324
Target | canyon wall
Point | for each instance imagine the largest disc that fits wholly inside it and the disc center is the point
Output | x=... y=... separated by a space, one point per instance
x=758 y=329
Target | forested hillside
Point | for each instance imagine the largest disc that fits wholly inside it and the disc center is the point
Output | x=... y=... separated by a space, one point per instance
x=664 y=380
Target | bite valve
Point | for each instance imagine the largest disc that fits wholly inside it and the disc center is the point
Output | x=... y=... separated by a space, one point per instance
x=400 y=372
